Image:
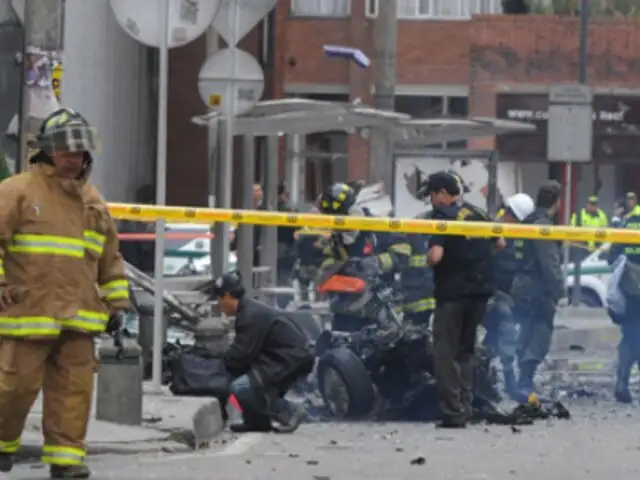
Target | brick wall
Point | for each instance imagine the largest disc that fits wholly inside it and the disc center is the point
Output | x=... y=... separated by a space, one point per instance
x=187 y=147
x=487 y=53
x=527 y=50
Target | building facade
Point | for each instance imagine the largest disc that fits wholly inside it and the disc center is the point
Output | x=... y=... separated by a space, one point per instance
x=459 y=57
x=468 y=59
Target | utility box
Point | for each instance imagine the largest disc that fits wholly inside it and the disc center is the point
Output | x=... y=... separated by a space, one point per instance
x=119 y=391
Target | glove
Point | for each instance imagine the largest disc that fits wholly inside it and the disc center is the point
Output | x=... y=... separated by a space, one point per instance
x=115 y=322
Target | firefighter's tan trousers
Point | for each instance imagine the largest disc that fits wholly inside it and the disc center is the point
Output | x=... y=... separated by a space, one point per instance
x=63 y=368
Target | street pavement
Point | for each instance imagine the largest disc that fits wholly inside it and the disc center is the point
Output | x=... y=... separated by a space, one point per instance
x=600 y=441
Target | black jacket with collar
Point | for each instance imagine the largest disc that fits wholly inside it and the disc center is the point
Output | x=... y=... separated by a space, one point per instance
x=268 y=344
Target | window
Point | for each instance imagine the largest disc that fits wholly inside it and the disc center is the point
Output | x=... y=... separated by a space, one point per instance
x=423 y=106
x=440 y=9
x=321 y=8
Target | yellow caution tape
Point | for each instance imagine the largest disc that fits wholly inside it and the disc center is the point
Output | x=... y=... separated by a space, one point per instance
x=150 y=213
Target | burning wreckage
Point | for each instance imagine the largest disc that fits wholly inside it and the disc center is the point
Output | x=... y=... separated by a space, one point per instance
x=382 y=371
x=385 y=370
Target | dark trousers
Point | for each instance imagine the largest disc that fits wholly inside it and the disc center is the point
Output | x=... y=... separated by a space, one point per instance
x=628 y=353
x=454 y=339
x=535 y=316
x=260 y=403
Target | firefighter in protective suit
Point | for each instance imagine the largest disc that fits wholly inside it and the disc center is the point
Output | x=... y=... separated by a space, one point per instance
x=417 y=278
x=384 y=253
x=62 y=283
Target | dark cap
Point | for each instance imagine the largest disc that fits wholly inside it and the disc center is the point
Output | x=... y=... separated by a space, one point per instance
x=631 y=195
x=230 y=283
x=593 y=200
x=548 y=194
x=441 y=181
x=282 y=187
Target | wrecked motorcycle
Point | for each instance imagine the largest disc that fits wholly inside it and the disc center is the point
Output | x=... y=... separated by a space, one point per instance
x=387 y=365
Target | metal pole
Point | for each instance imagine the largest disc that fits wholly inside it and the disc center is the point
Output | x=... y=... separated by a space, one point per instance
x=161 y=199
x=214 y=158
x=225 y=166
x=23 y=115
x=582 y=78
x=269 y=235
x=567 y=217
x=385 y=43
x=492 y=184
x=245 y=232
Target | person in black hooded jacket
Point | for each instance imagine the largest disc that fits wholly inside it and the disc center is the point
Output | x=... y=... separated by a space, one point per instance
x=268 y=356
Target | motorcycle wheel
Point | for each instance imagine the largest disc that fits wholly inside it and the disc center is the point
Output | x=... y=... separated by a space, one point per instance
x=345 y=384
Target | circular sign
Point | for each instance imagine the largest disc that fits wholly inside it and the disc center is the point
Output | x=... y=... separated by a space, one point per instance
x=142 y=19
x=231 y=67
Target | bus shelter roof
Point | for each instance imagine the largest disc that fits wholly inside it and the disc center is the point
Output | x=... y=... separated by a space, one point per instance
x=303 y=116
x=437 y=130
x=306 y=116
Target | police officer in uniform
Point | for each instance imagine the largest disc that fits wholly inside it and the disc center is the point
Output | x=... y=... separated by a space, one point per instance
x=268 y=356
x=592 y=217
x=501 y=329
x=463 y=280
x=381 y=252
x=629 y=346
x=537 y=288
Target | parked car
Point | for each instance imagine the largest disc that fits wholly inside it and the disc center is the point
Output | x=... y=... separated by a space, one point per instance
x=189 y=256
x=595 y=275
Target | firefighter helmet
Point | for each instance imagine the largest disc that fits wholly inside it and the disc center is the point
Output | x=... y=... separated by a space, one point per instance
x=521 y=205
x=67 y=131
x=338 y=199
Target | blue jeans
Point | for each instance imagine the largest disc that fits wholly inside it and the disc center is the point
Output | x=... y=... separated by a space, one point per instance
x=258 y=403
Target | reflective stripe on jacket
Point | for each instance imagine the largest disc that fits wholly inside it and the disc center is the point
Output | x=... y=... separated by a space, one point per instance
x=60 y=255
x=597 y=220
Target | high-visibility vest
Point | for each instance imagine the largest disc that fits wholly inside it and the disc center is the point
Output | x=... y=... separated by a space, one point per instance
x=599 y=220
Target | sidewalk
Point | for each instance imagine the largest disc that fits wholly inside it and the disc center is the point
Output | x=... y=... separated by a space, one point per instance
x=165 y=418
x=588 y=328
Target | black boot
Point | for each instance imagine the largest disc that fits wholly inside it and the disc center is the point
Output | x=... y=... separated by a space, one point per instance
x=623 y=374
x=70 y=471
x=6 y=462
x=252 y=423
x=287 y=417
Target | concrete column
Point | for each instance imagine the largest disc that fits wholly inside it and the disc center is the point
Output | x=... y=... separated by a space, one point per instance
x=107 y=78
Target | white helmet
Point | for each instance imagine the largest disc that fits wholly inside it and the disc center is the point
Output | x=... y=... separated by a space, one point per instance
x=521 y=205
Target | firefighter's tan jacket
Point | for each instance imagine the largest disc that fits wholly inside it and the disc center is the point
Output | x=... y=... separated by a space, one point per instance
x=60 y=257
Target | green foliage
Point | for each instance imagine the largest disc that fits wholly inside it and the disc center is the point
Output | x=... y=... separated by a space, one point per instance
x=597 y=8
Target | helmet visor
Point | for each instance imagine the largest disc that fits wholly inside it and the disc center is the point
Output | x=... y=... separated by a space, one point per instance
x=72 y=137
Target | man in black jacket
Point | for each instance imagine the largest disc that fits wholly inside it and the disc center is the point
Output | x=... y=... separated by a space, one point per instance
x=269 y=354
x=463 y=279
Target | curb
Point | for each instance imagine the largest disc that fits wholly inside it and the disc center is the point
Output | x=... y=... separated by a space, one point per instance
x=588 y=338
x=34 y=452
